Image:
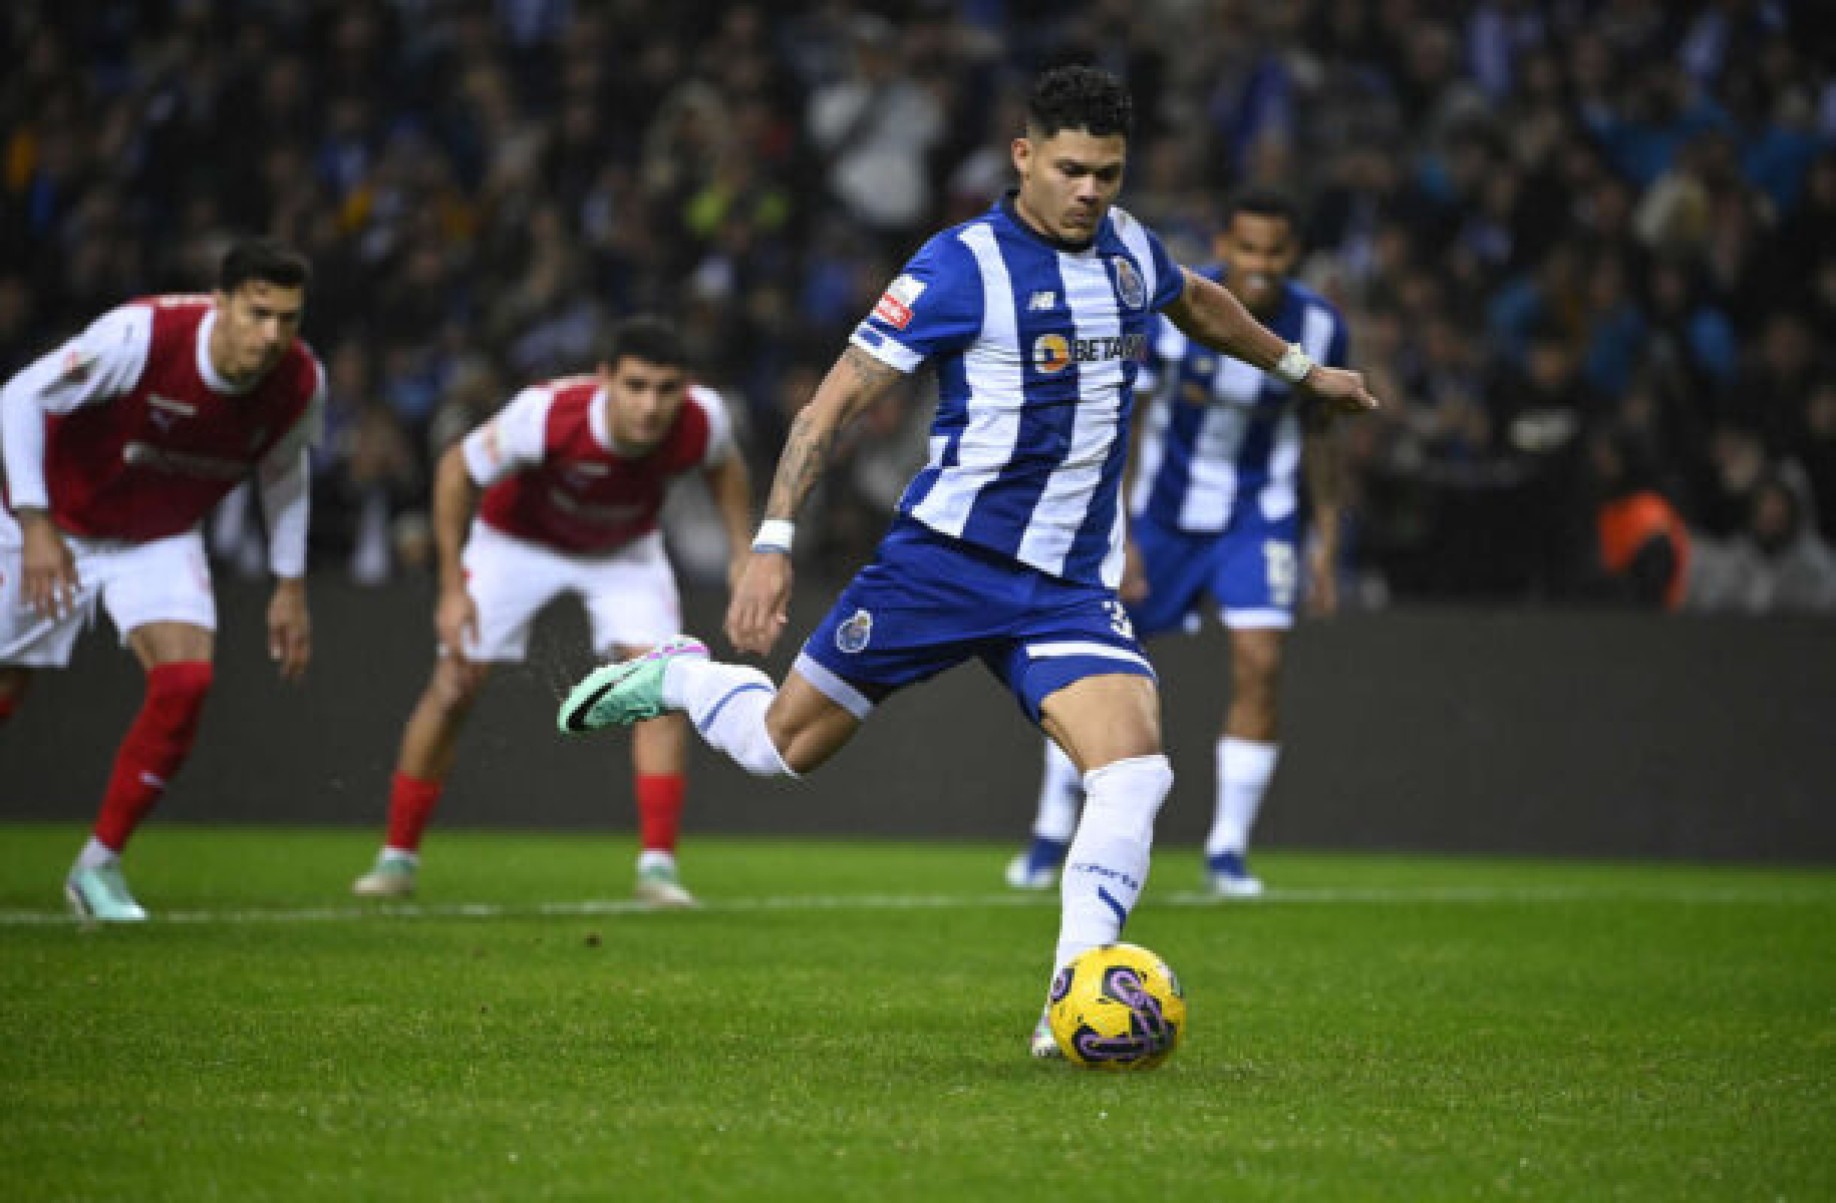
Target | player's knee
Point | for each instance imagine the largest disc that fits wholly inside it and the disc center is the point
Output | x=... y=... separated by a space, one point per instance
x=452 y=692
x=806 y=727
x=1255 y=666
x=455 y=699
x=1253 y=715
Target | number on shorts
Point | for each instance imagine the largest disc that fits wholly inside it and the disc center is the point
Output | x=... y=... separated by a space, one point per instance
x=1118 y=619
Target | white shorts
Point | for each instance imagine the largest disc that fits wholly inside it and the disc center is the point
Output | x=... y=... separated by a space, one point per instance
x=629 y=594
x=164 y=580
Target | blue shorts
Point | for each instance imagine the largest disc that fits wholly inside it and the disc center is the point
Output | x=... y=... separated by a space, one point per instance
x=928 y=602
x=1251 y=570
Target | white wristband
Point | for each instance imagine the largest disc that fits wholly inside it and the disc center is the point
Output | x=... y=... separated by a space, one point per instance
x=775 y=534
x=1293 y=365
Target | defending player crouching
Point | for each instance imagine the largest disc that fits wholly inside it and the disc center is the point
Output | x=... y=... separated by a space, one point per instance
x=567 y=482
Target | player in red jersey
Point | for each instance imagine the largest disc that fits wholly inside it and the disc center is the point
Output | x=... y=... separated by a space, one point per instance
x=567 y=481
x=116 y=446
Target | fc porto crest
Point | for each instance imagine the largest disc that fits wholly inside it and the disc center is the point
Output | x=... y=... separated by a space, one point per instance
x=1129 y=287
x=852 y=635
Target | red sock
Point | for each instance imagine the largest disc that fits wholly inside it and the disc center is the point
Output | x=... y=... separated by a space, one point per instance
x=659 y=802
x=154 y=747
x=411 y=804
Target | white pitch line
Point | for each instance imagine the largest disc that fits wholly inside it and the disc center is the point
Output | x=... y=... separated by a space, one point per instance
x=1408 y=895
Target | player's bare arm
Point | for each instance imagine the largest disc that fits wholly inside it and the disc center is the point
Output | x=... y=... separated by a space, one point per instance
x=730 y=485
x=1209 y=314
x=856 y=380
x=285 y=479
x=1323 y=464
x=1134 y=587
x=454 y=498
x=758 y=611
x=290 y=628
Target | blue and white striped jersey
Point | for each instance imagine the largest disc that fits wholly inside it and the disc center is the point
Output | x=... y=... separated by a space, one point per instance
x=1036 y=348
x=1219 y=433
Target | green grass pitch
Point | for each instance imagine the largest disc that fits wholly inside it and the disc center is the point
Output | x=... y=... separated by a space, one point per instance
x=848 y=1020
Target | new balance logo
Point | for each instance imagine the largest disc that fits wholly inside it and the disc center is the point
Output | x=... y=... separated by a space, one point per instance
x=1042 y=302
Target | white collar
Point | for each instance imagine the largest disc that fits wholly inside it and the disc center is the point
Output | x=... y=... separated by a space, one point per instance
x=599 y=420
x=212 y=378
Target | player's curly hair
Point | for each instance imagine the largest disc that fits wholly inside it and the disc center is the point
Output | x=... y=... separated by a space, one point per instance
x=1079 y=98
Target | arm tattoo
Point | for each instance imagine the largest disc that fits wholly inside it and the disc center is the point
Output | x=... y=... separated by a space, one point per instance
x=805 y=455
x=806 y=448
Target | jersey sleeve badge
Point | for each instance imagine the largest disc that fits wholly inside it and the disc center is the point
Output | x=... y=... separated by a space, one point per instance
x=77 y=363
x=895 y=305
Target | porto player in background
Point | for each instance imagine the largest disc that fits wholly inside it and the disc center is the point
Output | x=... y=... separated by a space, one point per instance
x=116 y=447
x=1228 y=455
x=567 y=482
x=1007 y=546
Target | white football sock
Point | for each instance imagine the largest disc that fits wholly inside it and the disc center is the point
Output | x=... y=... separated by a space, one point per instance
x=727 y=704
x=94 y=855
x=1108 y=862
x=1244 y=769
x=1061 y=790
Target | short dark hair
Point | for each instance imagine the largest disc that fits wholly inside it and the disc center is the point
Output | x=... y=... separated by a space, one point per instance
x=1079 y=98
x=265 y=259
x=649 y=338
x=1263 y=201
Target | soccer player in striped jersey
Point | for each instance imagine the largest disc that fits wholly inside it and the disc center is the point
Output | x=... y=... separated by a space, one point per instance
x=567 y=482
x=116 y=447
x=1215 y=510
x=1007 y=546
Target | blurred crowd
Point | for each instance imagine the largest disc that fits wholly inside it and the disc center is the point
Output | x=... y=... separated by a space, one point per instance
x=1587 y=247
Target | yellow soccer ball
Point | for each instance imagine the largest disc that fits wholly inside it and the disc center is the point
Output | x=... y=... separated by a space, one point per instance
x=1118 y=1006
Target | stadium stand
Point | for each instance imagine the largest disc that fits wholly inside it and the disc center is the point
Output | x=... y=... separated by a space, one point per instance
x=1546 y=221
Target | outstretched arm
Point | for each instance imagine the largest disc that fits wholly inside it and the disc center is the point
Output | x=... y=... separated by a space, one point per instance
x=758 y=611
x=1208 y=313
